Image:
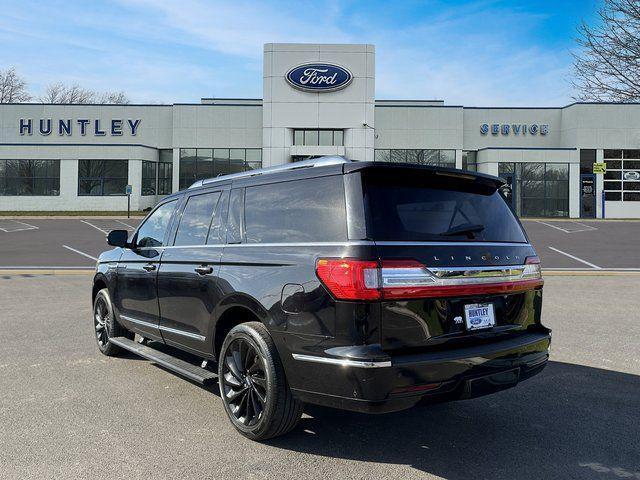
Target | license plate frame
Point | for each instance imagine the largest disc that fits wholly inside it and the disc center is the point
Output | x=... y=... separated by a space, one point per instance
x=477 y=318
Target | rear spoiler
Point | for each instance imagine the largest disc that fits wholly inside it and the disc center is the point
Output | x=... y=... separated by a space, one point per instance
x=453 y=173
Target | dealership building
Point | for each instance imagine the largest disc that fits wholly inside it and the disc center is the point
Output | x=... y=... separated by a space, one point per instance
x=317 y=100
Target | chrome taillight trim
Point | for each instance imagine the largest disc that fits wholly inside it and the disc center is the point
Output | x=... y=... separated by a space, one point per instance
x=413 y=276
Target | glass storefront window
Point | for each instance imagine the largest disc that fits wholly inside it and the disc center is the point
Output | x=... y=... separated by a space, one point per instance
x=102 y=177
x=318 y=137
x=539 y=189
x=398 y=156
x=149 y=172
x=209 y=163
x=448 y=158
x=469 y=160
x=442 y=158
x=311 y=137
x=587 y=159
x=382 y=155
x=325 y=137
x=30 y=177
x=236 y=160
x=165 y=178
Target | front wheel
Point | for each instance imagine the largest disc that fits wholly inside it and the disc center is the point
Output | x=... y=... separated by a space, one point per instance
x=253 y=385
x=106 y=325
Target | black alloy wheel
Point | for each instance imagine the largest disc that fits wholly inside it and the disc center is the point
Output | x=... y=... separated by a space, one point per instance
x=244 y=382
x=101 y=321
x=105 y=325
x=253 y=385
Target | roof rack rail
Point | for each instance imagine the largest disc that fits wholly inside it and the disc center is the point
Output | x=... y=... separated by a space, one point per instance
x=314 y=162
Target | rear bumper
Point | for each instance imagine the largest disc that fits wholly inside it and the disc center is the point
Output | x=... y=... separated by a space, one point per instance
x=380 y=385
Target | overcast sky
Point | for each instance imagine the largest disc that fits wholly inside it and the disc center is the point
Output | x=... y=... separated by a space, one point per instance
x=474 y=53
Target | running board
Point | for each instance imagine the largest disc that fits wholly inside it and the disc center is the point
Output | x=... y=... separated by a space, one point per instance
x=186 y=369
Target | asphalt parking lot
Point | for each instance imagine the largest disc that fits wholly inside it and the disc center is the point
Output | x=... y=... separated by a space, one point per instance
x=76 y=242
x=68 y=412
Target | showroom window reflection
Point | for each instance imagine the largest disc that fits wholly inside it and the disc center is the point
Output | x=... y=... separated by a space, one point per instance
x=323 y=138
x=442 y=158
x=538 y=189
x=102 y=177
x=30 y=177
x=201 y=163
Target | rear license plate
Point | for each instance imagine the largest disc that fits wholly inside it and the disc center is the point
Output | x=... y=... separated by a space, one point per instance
x=479 y=315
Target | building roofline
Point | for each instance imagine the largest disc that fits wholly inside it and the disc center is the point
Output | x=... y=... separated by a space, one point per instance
x=232 y=98
x=92 y=104
x=409 y=100
x=63 y=144
x=259 y=103
x=526 y=148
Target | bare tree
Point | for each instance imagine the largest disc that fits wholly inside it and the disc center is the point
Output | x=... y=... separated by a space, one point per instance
x=607 y=67
x=119 y=98
x=75 y=94
x=13 y=89
x=61 y=93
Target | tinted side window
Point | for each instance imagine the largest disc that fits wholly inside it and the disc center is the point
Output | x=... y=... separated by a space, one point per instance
x=154 y=228
x=218 y=230
x=310 y=210
x=196 y=219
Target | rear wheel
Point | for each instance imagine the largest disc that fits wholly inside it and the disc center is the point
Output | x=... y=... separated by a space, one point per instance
x=106 y=325
x=253 y=385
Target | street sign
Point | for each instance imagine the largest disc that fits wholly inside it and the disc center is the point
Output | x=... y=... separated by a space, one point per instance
x=129 y=190
x=600 y=167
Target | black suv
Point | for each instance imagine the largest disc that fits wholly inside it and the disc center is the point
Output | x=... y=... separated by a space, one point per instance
x=357 y=285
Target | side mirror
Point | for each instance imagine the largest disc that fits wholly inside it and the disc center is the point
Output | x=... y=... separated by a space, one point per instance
x=118 y=238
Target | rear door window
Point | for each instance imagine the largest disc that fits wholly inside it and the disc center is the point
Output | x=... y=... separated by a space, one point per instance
x=422 y=206
x=196 y=219
x=308 y=210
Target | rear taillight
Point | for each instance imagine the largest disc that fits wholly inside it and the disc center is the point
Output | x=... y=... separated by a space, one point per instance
x=349 y=279
x=532 y=268
x=352 y=279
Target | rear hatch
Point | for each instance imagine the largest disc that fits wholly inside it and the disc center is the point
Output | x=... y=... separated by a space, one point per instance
x=454 y=264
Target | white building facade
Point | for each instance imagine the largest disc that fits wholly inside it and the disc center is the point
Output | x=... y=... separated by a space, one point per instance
x=317 y=100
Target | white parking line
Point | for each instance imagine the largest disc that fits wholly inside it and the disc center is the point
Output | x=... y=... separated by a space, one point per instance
x=588 y=228
x=10 y=230
x=576 y=258
x=80 y=253
x=129 y=227
x=92 y=225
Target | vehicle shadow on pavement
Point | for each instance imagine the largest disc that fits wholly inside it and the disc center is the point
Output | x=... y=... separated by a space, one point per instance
x=570 y=421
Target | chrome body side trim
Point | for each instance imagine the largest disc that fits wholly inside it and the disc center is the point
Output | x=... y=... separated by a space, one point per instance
x=183 y=333
x=342 y=362
x=196 y=336
x=139 y=322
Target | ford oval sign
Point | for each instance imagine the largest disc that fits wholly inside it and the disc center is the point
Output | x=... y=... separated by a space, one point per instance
x=319 y=77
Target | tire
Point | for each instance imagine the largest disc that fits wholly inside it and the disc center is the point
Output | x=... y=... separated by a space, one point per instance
x=106 y=326
x=253 y=386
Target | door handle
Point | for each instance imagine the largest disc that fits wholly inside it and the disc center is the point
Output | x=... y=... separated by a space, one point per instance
x=204 y=269
x=149 y=267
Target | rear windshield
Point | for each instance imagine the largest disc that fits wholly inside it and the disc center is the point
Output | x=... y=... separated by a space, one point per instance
x=422 y=206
